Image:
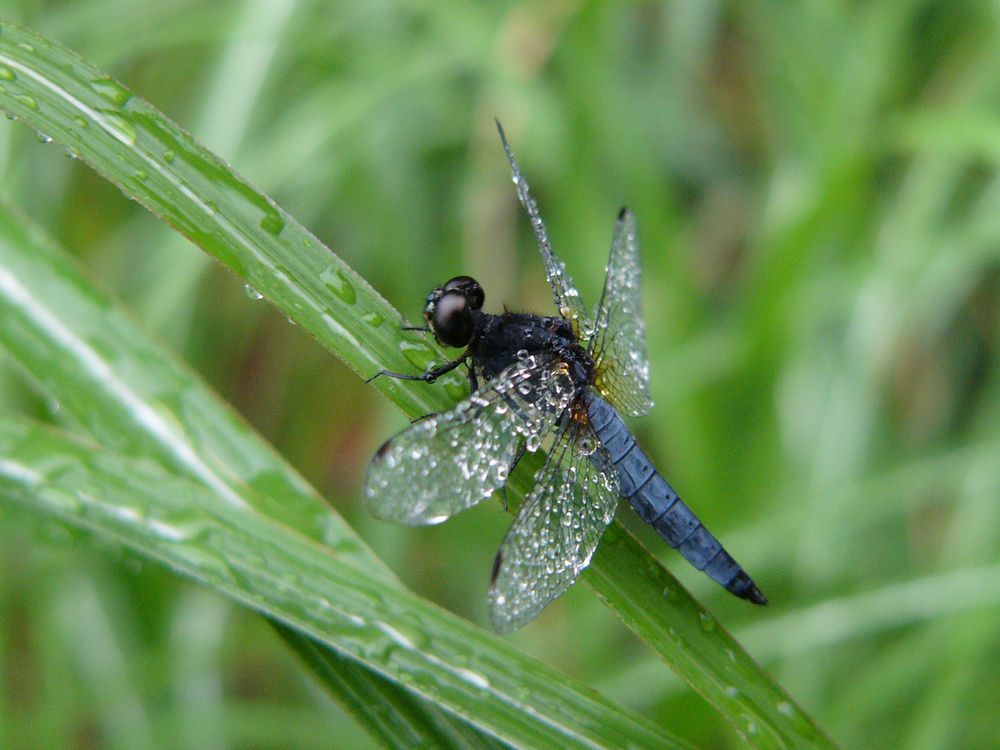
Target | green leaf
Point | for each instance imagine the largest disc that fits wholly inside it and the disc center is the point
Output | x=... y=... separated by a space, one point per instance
x=394 y=716
x=155 y=162
x=312 y=589
x=135 y=398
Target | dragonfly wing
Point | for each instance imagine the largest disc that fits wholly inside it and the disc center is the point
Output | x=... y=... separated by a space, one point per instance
x=567 y=296
x=619 y=342
x=557 y=529
x=453 y=460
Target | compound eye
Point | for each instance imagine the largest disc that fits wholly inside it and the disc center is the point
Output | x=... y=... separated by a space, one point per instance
x=451 y=321
x=469 y=288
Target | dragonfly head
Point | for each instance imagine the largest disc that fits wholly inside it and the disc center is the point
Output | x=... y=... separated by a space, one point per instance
x=449 y=310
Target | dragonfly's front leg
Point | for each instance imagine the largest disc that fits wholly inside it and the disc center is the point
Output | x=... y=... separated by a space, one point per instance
x=427 y=377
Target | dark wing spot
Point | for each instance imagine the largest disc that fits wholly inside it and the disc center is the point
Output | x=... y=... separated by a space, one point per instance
x=621 y=213
x=497 y=562
x=383 y=449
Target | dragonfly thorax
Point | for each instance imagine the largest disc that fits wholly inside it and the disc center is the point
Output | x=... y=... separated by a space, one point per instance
x=502 y=340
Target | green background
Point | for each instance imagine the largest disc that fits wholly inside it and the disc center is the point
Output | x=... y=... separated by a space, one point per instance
x=817 y=200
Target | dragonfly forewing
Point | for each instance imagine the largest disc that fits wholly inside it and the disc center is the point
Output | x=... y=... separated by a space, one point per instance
x=453 y=460
x=564 y=291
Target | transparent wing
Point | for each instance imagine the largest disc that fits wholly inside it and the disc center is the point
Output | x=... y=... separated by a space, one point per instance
x=557 y=529
x=618 y=345
x=452 y=460
x=567 y=296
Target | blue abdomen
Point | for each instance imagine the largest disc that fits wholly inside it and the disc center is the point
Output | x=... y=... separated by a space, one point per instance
x=657 y=503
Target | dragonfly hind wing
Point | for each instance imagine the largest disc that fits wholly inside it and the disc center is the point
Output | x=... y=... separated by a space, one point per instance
x=618 y=345
x=450 y=461
x=556 y=531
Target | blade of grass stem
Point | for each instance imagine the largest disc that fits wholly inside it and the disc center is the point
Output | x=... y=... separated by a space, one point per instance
x=311 y=589
x=132 y=396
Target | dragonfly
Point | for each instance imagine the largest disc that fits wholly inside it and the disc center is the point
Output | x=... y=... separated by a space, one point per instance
x=558 y=382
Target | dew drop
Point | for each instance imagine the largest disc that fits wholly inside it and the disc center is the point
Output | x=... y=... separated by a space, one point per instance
x=417 y=353
x=707 y=622
x=80 y=122
x=252 y=293
x=6 y=74
x=473 y=678
x=27 y=101
x=42 y=137
x=338 y=283
x=272 y=224
x=169 y=156
x=120 y=128
x=111 y=90
x=373 y=319
x=26 y=47
x=397 y=636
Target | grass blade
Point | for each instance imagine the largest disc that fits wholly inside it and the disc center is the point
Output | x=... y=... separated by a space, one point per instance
x=134 y=397
x=311 y=589
x=397 y=718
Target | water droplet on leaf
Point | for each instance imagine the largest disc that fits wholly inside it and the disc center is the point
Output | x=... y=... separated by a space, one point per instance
x=338 y=283
x=272 y=224
x=111 y=90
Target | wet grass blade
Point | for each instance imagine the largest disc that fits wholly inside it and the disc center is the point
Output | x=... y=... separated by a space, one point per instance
x=311 y=589
x=397 y=718
x=152 y=160
x=130 y=395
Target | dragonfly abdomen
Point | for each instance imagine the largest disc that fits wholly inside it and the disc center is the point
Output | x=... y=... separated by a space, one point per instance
x=657 y=504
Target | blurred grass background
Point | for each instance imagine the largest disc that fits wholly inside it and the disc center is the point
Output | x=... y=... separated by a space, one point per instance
x=817 y=199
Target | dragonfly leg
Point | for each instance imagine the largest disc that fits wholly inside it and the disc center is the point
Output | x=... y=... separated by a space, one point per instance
x=404 y=325
x=517 y=459
x=427 y=377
